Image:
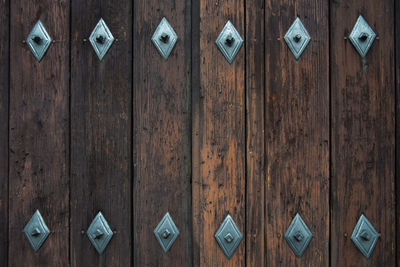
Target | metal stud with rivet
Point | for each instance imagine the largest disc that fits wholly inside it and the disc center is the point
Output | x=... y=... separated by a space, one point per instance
x=364 y=236
x=36 y=231
x=164 y=38
x=362 y=36
x=166 y=232
x=297 y=38
x=228 y=236
x=229 y=41
x=38 y=40
x=101 y=39
x=298 y=236
x=99 y=233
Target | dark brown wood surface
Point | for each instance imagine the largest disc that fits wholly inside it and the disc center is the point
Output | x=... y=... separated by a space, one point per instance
x=297 y=132
x=396 y=180
x=4 y=91
x=38 y=133
x=219 y=150
x=363 y=133
x=101 y=130
x=161 y=139
x=255 y=153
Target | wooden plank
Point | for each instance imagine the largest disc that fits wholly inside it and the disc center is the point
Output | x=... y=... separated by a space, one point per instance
x=297 y=132
x=255 y=160
x=363 y=132
x=219 y=143
x=161 y=133
x=397 y=66
x=4 y=91
x=101 y=128
x=39 y=152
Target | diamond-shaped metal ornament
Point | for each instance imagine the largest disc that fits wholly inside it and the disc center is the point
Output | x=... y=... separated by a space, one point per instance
x=99 y=233
x=166 y=232
x=228 y=236
x=365 y=236
x=164 y=38
x=101 y=39
x=36 y=231
x=362 y=36
x=297 y=38
x=229 y=41
x=38 y=40
x=298 y=236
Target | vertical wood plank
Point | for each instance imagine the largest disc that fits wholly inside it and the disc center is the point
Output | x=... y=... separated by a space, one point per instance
x=218 y=136
x=397 y=69
x=4 y=91
x=255 y=160
x=161 y=133
x=101 y=128
x=39 y=117
x=297 y=132
x=363 y=132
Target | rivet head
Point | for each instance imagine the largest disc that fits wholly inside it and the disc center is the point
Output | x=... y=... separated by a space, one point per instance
x=37 y=39
x=362 y=36
x=298 y=236
x=229 y=39
x=100 y=39
x=99 y=233
x=36 y=231
x=228 y=236
x=164 y=37
x=364 y=236
x=297 y=38
x=166 y=232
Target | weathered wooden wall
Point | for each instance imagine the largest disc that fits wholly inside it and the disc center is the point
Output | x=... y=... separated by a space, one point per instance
x=135 y=136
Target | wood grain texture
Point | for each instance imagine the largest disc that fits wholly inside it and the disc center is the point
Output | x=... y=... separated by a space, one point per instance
x=297 y=132
x=39 y=152
x=4 y=93
x=219 y=143
x=101 y=128
x=363 y=132
x=397 y=69
x=161 y=137
x=255 y=160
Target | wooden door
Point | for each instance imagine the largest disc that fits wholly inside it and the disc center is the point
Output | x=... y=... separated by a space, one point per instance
x=135 y=136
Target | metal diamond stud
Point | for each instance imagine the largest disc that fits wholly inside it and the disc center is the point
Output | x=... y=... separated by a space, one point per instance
x=365 y=236
x=297 y=38
x=36 y=231
x=229 y=41
x=298 y=236
x=101 y=39
x=228 y=236
x=99 y=233
x=362 y=36
x=164 y=38
x=166 y=232
x=38 y=40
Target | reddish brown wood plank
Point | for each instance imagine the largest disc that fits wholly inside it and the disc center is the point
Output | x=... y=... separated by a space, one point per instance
x=363 y=132
x=297 y=132
x=4 y=90
x=219 y=150
x=101 y=128
x=39 y=133
x=255 y=160
x=161 y=133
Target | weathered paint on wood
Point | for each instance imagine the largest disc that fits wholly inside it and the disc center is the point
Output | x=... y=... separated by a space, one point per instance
x=297 y=132
x=363 y=133
x=39 y=133
x=219 y=150
x=101 y=130
x=161 y=139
